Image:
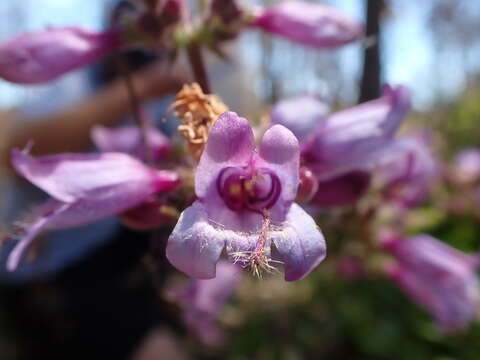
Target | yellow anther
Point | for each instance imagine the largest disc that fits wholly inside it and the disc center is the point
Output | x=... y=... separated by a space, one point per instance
x=235 y=189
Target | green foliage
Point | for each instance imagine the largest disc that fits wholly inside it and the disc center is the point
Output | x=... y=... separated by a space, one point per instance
x=458 y=122
x=361 y=319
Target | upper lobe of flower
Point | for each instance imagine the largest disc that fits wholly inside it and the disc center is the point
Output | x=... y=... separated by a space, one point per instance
x=308 y=24
x=269 y=177
x=245 y=202
x=439 y=277
x=34 y=58
x=84 y=188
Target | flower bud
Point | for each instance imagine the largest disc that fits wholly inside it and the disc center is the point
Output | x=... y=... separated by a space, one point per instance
x=308 y=24
x=34 y=58
x=308 y=185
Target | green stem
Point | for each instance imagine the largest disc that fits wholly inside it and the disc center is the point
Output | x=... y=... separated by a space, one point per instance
x=198 y=66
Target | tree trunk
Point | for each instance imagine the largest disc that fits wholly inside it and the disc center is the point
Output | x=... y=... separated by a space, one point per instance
x=371 y=76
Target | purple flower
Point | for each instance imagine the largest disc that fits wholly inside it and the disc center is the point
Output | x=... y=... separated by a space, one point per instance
x=300 y=114
x=202 y=301
x=350 y=268
x=309 y=24
x=343 y=190
x=342 y=148
x=84 y=188
x=408 y=176
x=308 y=186
x=128 y=139
x=466 y=166
x=440 y=278
x=358 y=137
x=34 y=58
x=245 y=202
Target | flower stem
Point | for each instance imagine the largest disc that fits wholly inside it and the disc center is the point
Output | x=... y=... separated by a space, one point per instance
x=198 y=66
x=136 y=110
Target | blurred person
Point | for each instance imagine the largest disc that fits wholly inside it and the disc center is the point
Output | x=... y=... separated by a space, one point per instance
x=68 y=130
x=108 y=106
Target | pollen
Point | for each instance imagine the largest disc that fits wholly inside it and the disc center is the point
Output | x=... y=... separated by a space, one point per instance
x=249 y=187
x=235 y=189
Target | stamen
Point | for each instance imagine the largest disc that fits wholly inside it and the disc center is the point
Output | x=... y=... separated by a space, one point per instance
x=258 y=260
x=197 y=112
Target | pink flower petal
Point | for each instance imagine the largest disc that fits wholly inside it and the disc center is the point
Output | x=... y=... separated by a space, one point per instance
x=300 y=244
x=358 y=137
x=127 y=139
x=68 y=177
x=279 y=151
x=230 y=143
x=309 y=24
x=50 y=211
x=300 y=114
x=194 y=246
x=34 y=58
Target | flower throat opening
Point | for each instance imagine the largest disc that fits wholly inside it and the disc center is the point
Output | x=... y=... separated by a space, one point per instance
x=243 y=189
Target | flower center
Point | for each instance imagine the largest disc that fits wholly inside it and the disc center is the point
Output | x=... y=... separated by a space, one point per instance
x=243 y=189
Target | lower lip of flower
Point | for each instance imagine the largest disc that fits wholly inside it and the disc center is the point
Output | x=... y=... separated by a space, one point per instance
x=246 y=189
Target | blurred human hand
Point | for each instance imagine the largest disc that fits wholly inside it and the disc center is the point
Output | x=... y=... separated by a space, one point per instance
x=160 y=79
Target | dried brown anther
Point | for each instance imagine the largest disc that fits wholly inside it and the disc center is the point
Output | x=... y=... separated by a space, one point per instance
x=197 y=113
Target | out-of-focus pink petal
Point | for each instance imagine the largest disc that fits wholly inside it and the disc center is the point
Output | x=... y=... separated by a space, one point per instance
x=466 y=166
x=85 y=188
x=48 y=212
x=34 y=58
x=300 y=244
x=68 y=177
x=407 y=177
x=343 y=190
x=356 y=138
x=308 y=24
x=128 y=139
x=437 y=276
x=423 y=251
x=210 y=295
x=202 y=301
x=300 y=114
